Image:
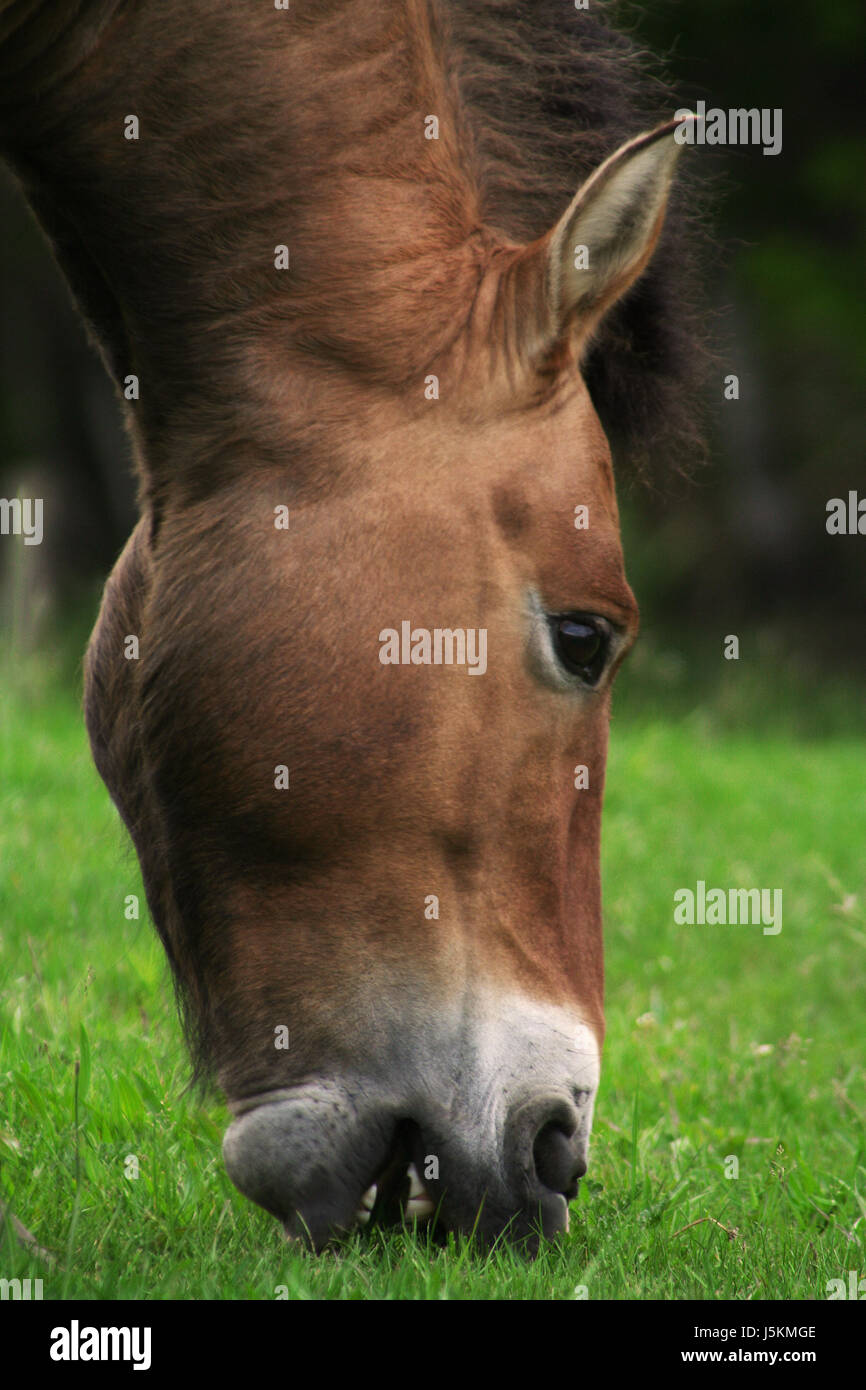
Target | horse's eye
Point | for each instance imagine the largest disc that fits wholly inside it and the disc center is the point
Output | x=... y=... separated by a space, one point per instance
x=581 y=643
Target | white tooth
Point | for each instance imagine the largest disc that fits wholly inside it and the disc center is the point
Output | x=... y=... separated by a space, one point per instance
x=362 y=1216
x=416 y=1186
x=369 y=1198
x=419 y=1208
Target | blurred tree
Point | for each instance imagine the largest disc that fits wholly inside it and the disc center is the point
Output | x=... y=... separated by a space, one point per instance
x=750 y=541
x=60 y=428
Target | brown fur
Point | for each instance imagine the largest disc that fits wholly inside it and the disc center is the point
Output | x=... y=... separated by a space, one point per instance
x=261 y=387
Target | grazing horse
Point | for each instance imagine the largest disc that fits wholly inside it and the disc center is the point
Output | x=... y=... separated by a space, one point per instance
x=363 y=277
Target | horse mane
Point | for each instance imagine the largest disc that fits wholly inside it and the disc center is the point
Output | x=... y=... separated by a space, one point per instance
x=549 y=91
x=540 y=93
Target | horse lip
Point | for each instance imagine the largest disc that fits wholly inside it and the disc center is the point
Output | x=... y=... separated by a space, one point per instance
x=392 y=1179
x=245 y=1104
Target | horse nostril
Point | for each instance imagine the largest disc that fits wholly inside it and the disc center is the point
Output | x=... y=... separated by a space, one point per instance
x=557 y=1165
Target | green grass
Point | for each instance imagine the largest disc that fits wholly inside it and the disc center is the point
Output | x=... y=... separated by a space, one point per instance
x=721 y=1041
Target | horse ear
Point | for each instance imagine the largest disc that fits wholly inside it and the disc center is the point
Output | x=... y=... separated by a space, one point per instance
x=607 y=235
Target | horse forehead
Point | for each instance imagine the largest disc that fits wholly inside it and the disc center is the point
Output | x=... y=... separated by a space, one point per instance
x=520 y=466
x=545 y=488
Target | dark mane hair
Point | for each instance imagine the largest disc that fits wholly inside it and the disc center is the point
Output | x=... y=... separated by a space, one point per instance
x=539 y=92
x=548 y=92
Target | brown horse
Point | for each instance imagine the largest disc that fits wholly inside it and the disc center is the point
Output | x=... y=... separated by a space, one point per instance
x=350 y=683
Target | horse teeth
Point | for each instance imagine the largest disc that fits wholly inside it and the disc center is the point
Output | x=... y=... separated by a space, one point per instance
x=419 y=1208
x=418 y=1204
x=416 y=1187
x=365 y=1210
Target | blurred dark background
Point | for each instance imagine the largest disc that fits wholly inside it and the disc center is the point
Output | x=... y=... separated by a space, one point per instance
x=742 y=547
x=746 y=545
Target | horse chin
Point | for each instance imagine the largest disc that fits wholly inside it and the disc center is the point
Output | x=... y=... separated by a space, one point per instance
x=309 y=1157
x=323 y=1168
